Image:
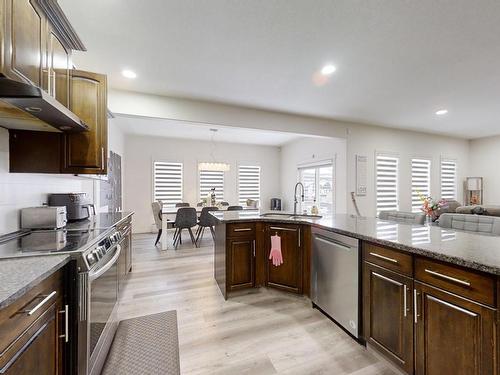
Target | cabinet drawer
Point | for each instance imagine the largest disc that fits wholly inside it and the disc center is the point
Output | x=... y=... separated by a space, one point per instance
x=17 y=319
x=388 y=258
x=241 y=230
x=466 y=283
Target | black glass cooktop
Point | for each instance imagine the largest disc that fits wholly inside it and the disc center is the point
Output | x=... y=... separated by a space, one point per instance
x=50 y=241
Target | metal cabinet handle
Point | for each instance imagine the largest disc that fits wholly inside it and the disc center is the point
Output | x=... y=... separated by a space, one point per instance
x=405 y=305
x=66 y=323
x=415 y=306
x=283 y=229
x=299 y=238
x=102 y=158
x=254 y=253
x=392 y=260
x=449 y=278
x=242 y=229
x=42 y=302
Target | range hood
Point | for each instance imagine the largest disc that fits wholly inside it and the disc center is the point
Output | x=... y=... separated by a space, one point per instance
x=35 y=109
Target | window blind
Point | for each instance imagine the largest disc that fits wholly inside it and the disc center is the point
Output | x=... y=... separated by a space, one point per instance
x=387 y=183
x=448 y=179
x=248 y=183
x=210 y=180
x=167 y=182
x=420 y=182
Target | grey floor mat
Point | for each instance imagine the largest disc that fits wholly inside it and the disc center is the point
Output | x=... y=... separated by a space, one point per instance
x=147 y=345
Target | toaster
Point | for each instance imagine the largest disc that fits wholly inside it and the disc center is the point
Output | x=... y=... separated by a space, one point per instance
x=43 y=217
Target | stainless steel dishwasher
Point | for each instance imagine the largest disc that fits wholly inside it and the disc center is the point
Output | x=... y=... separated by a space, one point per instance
x=335 y=278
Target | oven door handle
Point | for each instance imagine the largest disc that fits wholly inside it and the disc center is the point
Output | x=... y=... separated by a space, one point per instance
x=94 y=275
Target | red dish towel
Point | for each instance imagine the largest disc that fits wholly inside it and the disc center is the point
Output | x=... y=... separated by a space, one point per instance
x=275 y=254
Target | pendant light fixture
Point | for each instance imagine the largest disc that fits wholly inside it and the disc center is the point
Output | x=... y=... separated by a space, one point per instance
x=213 y=165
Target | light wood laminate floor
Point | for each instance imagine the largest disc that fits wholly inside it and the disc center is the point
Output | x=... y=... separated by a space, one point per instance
x=257 y=332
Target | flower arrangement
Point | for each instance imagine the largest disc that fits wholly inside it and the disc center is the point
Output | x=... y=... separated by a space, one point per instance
x=431 y=205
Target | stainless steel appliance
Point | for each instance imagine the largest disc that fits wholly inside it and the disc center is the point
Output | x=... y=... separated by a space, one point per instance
x=43 y=217
x=335 y=278
x=275 y=204
x=77 y=205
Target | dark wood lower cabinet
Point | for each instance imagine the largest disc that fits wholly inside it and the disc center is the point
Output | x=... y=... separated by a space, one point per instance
x=453 y=335
x=241 y=261
x=289 y=275
x=388 y=317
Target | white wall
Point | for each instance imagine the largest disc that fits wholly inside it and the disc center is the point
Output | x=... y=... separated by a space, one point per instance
x=18 y=190
x=309 y=150
x=484 y=156
x=366 y=140
x=141 y=151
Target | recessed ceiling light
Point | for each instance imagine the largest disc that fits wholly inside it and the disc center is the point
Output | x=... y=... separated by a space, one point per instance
x=328 y=69
x=128 y=73
x=442 y=112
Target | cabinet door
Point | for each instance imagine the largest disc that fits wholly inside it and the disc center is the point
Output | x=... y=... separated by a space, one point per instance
x=40 y=357
x=454 y=335
x=23 y=41
x=287 y=276
x=86 y=153
x=58 y=59
x=388 y=317
x=241 y=261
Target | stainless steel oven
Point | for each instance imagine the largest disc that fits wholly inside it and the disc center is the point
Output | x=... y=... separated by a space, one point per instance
x=98 y=291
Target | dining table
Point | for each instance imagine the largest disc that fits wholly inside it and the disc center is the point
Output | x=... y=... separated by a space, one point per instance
x=168 y=218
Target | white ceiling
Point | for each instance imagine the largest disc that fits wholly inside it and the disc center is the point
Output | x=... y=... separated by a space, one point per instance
x=189 y=130
x=397 y=61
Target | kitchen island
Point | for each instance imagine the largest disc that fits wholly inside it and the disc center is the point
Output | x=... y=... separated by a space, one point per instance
x=428 y=295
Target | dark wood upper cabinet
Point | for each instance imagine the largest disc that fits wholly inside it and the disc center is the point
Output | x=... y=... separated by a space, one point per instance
x=388 y=314
x=454 y=335
x=23 y=39
x=86 y=153
x=287 y=276
x=58 y=69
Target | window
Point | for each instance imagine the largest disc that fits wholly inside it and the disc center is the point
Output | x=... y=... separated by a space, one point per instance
x=248 y=183
x=167 y=182
x=448 y=179
x=387 y=183
x=210 y=180
x=318 y=186
x=420 y=182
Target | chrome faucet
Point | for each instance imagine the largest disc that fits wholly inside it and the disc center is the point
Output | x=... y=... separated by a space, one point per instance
x=295 y=201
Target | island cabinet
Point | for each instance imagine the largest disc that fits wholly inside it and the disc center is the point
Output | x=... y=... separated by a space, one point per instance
x=429 y=317
x=34 y=339
x=289 y=275
x=241 y=255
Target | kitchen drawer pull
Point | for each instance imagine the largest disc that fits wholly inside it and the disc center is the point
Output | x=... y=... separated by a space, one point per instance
x=42 y=302
x=449 y=278
x=242 y=229
x=284 y=229
x=392 y=260
x=415 y=306
x=405 y=303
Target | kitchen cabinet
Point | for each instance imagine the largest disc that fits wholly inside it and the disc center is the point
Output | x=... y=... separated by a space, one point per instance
x=388 y=314
x=57 y=80
x=289 y=275
x=453 y=335
x=241 y=257
x=23 y=41
x=36 y=342
x=125 y=259
x=86 y=153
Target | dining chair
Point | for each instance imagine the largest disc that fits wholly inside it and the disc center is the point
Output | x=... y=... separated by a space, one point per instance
x=235 y=208
x=206 y=221
x=182 y=204
x=186 y=218
x=224 y=204
x=156 y=206
x=199 y=204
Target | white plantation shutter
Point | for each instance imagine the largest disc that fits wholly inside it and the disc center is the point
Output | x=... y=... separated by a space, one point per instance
x=248 y=183
x=167 y=182
x=448 y=179
x=420 y=181
x=387 y=183
x=210 y=180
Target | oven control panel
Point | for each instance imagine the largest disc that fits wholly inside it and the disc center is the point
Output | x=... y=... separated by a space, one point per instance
x=102 y=248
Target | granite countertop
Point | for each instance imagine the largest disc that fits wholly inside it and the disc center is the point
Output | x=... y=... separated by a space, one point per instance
x=19 y=275
x=102 y=221
x=472 y=250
